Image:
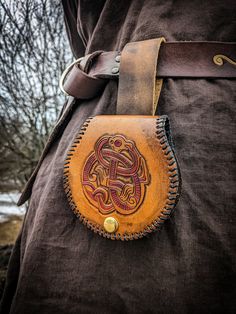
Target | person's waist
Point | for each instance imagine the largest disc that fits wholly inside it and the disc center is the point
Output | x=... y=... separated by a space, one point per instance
x=212 y=60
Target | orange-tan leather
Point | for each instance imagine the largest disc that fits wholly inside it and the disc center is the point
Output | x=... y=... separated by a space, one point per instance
x=122 y=167
x=121 y=177
x=139 y=89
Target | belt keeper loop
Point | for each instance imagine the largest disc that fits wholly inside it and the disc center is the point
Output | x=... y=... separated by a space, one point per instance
x=139 y=90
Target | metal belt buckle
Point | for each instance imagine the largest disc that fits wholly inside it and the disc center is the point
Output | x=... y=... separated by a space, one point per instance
x=66 y=72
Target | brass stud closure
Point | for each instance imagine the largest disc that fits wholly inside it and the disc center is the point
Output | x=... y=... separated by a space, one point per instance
x=110 y=224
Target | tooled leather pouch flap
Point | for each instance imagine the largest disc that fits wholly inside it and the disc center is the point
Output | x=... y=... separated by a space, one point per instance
x=121 y=176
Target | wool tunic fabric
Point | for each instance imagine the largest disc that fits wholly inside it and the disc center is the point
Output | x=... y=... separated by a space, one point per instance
x=58 y=265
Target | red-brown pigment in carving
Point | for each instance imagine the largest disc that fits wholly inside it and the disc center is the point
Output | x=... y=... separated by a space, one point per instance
x=115 y=175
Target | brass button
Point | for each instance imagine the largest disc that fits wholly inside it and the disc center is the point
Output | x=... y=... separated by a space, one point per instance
x=110 y=224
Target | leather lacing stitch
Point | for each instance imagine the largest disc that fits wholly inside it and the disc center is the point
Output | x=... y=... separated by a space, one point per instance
x=66 y=185
x=174 y=175
x=173 y=193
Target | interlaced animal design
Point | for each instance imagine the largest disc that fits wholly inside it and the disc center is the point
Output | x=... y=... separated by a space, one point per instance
x=115 y=175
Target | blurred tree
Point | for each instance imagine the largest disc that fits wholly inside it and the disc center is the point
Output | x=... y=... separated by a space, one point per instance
x=33 y=53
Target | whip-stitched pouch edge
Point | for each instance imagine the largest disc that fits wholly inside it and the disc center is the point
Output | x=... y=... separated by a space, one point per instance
x=163 y=134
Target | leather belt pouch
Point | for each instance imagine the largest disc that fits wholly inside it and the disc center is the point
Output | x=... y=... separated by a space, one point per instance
x=121 y=176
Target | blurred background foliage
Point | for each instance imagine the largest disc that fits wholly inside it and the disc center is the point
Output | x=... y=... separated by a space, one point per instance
x=33 y=53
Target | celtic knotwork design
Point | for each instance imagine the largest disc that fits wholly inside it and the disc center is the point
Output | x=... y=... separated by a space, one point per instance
x=115 y=175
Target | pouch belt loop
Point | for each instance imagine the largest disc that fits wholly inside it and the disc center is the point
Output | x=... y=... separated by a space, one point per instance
x=139 y=90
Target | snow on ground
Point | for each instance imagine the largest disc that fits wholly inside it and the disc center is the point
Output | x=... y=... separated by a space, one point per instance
x=8 y=206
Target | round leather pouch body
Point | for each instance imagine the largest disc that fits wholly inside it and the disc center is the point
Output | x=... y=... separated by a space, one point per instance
x=121 y=176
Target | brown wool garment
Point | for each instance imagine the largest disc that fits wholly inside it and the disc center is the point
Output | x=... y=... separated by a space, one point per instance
x=58 y=265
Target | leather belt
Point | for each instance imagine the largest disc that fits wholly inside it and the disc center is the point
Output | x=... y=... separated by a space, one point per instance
x=88 y=75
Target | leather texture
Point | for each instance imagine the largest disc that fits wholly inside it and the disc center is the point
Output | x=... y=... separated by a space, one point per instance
x=120 y=175
x=176 y=60
x=58 y=265
x=195 y=60
x=91 y=85
x=126 y=171
x=139 y=89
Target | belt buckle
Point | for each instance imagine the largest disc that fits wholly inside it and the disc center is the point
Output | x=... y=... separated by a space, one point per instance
x=66 y=72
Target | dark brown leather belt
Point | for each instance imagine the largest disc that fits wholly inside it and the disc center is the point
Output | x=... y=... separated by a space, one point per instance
x=86 y=78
